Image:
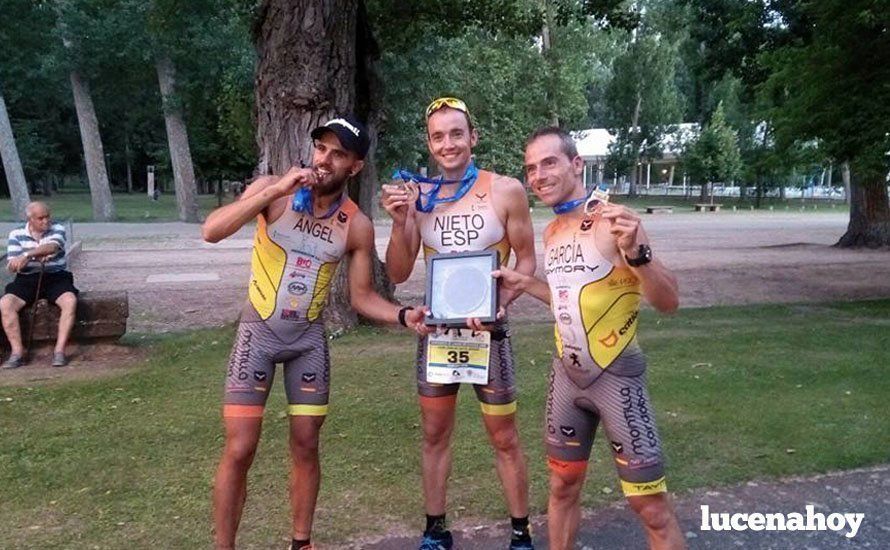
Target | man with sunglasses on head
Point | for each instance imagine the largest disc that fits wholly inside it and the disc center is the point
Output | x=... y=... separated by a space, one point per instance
x=305 y=225
x=598 y=266
x=466 y=210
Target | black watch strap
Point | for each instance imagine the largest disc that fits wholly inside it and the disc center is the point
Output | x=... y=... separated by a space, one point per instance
x=402 y=315
x=644 y=256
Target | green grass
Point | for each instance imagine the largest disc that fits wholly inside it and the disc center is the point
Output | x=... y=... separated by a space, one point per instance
x=135 y=207
x=740 y=393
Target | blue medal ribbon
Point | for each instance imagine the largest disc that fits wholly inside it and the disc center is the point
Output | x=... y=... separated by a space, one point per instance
x=427 y=200
x=568 y=206
x=303 y=201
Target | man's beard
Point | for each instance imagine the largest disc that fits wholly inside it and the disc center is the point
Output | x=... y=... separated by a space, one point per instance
x=333 y=186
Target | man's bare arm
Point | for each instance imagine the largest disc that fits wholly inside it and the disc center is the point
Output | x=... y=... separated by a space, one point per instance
x=404 y=239
x=659 y=285
x=518 y=283
x=363 y=297
x=519 y=232
x=225 y=221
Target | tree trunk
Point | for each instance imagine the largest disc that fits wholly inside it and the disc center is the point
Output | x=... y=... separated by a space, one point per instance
x=546 y=47
x=635 y=120
x=12 y=165
x=93 y=153
x=758 y=199
x=303 y=79
x=845 y=174
x=178 y=140
x=869 y=215
x=129 y=160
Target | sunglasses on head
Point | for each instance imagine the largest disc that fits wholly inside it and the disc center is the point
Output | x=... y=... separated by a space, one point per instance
x=452 y=102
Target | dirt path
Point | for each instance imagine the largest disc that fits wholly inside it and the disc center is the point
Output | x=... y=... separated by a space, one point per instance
x=615 y=527
x=176 y=281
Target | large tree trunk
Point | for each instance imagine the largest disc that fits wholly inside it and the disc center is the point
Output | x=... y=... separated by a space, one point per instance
x=869 y=215
x=303 y=79
x=305 y=75
x=93 y=153
x=178 y=140
x=12 y=165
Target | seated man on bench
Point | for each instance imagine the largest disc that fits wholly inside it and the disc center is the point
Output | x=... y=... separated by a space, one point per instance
x=36 y=254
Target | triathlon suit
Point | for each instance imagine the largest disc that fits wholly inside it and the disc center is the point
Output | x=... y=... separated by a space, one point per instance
x=599 y=373
x=293 y=264
x=471 y=224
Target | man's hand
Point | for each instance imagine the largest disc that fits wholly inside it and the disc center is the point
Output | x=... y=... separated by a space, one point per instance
x=624 y=225
x=414 y=319
x=511 y=281
x=397 y=199
x=294 y=178
x=477 y=325
x=17 y=264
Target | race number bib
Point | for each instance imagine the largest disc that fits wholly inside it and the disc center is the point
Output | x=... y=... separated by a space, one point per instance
x=458 y=355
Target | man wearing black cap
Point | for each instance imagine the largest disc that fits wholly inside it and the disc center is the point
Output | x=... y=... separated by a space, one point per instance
x=305 y=225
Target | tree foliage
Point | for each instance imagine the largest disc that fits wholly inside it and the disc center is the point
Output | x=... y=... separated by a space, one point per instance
x=714 y=155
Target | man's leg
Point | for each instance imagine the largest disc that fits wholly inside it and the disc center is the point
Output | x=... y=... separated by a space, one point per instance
x=305 y=472
x=10 y=305
x=509 y=461
x=659 y=521
x=629 y=422
x=437 y=420
x=569 y=431
x=230 y=487
x=67 y=302
x=564 y=505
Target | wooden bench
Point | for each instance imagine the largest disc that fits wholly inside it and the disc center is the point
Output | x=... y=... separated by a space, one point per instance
x=659 y=209
x=708 y=207
x=101 y=317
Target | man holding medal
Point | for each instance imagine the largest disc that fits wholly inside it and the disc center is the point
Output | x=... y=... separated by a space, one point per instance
x=305 y=225
x=465 y=210
x=599 y=266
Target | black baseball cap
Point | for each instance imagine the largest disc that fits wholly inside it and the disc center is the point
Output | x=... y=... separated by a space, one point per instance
x=350 y=131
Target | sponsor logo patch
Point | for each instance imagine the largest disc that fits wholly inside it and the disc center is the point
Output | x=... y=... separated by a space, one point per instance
x=610 y=340
x=304 y=262
x=567 y=431
x=297 y=288
x=290 y=315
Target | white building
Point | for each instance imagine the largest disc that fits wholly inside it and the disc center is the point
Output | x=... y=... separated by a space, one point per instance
x=593 y=147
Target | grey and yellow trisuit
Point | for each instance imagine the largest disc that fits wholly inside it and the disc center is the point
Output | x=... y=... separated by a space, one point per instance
x=293 y=264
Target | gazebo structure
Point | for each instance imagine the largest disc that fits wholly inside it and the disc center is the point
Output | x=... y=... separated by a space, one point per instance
x=593 y=147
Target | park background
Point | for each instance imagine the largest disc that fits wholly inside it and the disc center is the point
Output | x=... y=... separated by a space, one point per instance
x=779 y=108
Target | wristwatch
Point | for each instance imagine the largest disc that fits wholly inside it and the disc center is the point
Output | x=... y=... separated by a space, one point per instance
x=644 y=256
x=402 y=313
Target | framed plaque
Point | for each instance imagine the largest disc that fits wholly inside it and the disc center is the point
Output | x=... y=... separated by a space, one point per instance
x=460 y=286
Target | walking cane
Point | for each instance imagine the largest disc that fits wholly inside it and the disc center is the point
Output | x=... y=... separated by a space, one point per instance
x=34 y=308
